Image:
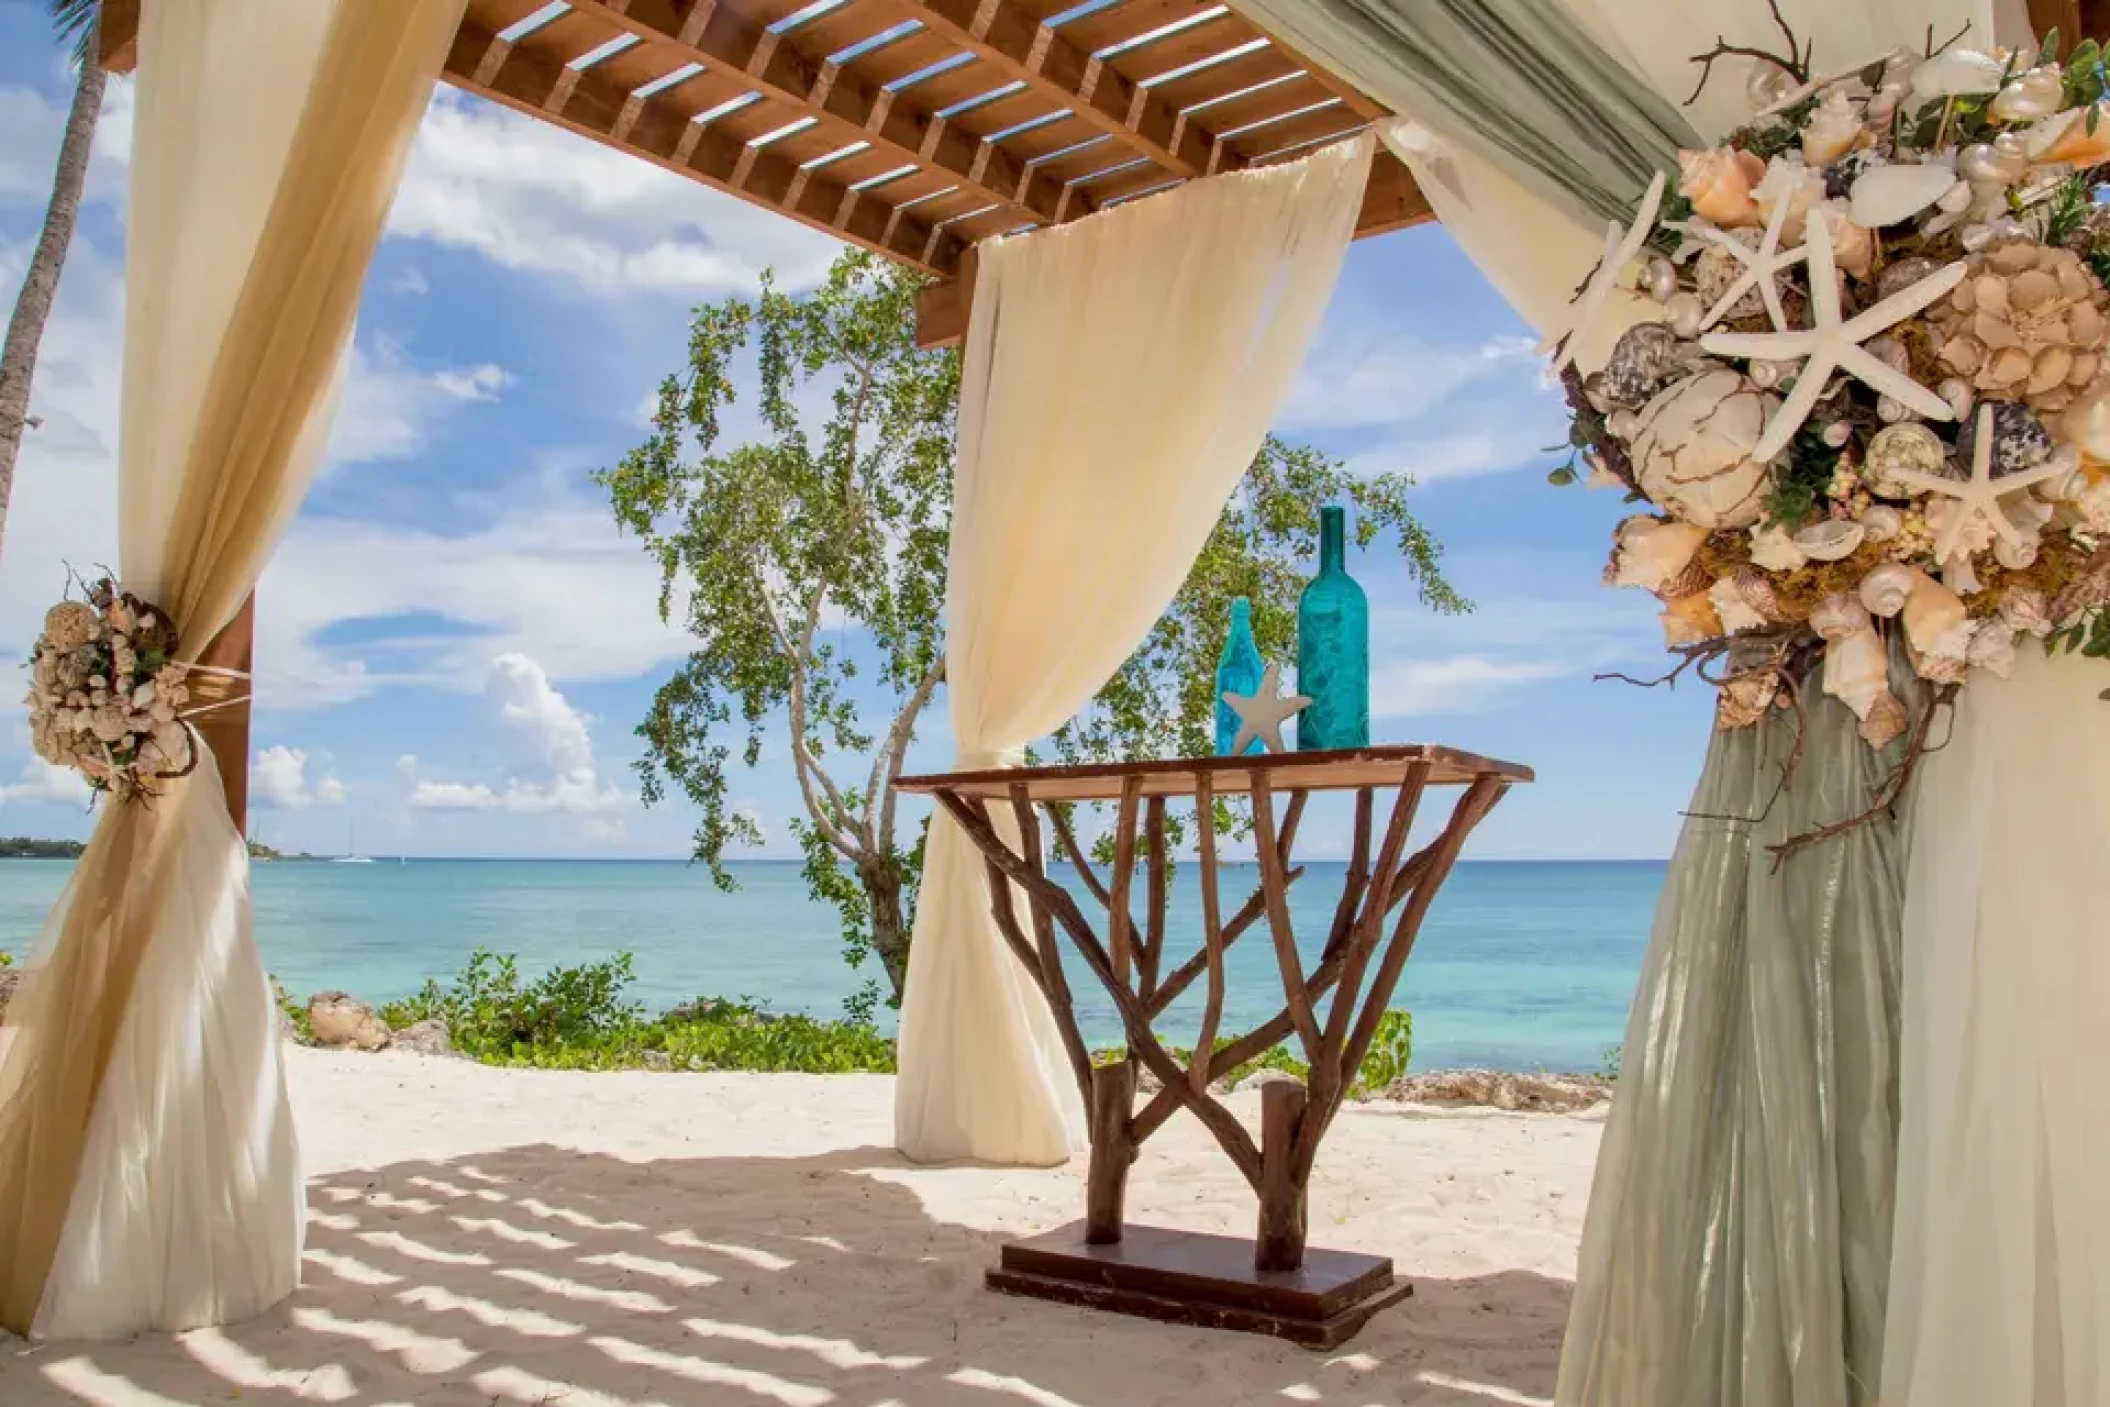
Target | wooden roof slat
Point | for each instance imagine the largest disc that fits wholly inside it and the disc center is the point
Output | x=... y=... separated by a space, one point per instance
x=1054 y=65
x=903 y=57
x=1195 y=93
x=1124 y=25
x=1292 y=126
x=1293 y=94
x=723 y=38
x=533 y=83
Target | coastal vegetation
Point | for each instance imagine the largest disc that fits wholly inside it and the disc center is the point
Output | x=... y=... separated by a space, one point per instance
x=809 y=565
x=22 y=847
x=582 y=1018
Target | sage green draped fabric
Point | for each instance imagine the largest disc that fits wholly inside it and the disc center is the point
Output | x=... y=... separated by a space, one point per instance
x=1737 y=1249
x=1520 y=82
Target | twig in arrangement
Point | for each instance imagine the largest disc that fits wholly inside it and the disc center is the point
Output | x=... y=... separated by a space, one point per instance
x=1948 y=43
x=1887 y=796
x=1796 y=65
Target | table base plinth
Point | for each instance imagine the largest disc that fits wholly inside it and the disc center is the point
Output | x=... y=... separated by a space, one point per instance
x=1189 y=1277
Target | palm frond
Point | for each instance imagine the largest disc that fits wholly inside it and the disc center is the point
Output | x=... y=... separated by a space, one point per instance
x=75 y=21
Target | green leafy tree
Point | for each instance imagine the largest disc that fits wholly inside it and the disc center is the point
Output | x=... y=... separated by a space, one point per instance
x=764 y=547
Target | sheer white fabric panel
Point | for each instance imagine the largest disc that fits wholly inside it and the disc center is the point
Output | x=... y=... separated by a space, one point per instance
x=1119 y=375
x=2000 y=1282
x=188 y=1207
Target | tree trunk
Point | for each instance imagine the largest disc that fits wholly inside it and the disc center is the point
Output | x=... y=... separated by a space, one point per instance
x=890 y=930
x=25 y=330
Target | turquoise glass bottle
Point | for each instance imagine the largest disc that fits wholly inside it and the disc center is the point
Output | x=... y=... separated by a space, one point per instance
x=1333 y=647
x=1239 y=670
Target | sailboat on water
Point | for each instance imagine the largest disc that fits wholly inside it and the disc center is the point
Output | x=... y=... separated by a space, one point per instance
x=351 y=855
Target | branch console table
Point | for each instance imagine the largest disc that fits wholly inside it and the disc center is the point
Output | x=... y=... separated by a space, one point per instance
x=1273 y=1285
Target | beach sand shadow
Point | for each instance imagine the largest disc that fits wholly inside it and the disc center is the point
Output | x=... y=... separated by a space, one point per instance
x=539 y=1275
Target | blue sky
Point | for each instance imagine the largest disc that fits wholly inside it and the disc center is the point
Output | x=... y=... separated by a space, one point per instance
x=454 y=642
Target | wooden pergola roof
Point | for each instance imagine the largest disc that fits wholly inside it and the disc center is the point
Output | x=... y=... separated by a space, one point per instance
x=915 y=128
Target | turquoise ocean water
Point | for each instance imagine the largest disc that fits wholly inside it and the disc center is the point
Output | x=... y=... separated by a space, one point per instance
x=1522 y=965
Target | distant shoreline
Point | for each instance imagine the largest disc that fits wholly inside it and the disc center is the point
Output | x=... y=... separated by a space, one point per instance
x=71 y=850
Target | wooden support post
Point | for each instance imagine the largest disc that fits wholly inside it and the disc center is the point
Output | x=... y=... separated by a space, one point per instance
x=226 y=728
x=1280 y=1244
x=1113 y=1150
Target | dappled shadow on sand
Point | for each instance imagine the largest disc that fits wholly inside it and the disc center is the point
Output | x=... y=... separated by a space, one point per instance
x=538 y=1275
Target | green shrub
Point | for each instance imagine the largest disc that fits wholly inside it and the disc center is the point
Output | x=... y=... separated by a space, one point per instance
x=1385 y=1063
x=1613 y=1060
x=576 y=1018
x=296 y=1012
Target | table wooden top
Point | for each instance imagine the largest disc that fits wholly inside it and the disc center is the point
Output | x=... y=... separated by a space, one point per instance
x=1231 y=776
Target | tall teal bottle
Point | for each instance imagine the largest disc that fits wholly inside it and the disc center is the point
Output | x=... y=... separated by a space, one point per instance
x=1333 y=647
x=1239 y=670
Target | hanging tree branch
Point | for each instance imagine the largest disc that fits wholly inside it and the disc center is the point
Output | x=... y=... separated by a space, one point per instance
x=1796 y=65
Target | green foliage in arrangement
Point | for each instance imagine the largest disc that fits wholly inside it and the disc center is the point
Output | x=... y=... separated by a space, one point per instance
x=832 y=523
x=296 y=1012
x=1383 y=1066
x=577 y=1018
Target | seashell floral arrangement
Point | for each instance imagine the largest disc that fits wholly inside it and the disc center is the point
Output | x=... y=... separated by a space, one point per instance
x=1875 y=395
x=106 y=694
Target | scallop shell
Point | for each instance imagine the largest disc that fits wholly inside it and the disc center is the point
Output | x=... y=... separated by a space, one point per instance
x=1956 y=72
x=1831 y=540
x=1891 y=195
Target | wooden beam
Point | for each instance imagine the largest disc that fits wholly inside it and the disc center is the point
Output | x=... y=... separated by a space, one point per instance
x=1060 y=71
x=117 y=36
x=541 y=87
x=1391 y=201
x=724 y=40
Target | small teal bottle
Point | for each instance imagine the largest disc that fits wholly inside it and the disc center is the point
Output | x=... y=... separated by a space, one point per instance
x=1239 y=670
x=1333 y=647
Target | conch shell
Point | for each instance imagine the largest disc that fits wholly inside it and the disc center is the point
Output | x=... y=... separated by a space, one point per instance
x=1691 y=620
x=1853 y=248
x=1885 y=590
x=1651 y=553
x=1801 y=187
x=1745 y=600
x=1857 y=667
x=2064 y=137
x=2037 y=93
x=1774 y=549
x=1938 y=628
x=1832 y=131
x=1718 y=183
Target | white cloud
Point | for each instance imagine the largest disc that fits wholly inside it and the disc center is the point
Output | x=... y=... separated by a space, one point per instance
x=391 y=404
x=482 y=382
x=410 y=282
x=527 y=195
x=42 y=782
x=407 y=766
x=278 y=781
x=553 y=742
x=1429 y=410
x=1416 y=688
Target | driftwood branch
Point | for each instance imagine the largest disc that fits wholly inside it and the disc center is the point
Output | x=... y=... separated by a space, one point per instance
x=1796 y=65
x=1887 y=796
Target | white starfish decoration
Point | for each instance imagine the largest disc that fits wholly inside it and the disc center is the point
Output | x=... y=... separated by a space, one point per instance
x=1262 y=713
x=1979 y=496
x=1619 y=250
x=1761 y=266
x=1831 y=345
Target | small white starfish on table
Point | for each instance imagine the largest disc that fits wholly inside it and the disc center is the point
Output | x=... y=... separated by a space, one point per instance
x=1979 y=496
x=1761 y=267
x=1262 y=713
x=1831 y=345
x=1619 y=250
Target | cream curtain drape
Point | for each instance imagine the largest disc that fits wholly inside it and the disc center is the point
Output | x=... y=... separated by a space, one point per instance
x=1119 y=375
x=2000 y=1290
x=148 y=1173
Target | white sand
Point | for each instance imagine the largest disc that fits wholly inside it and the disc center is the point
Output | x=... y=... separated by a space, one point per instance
x=481 y=1236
